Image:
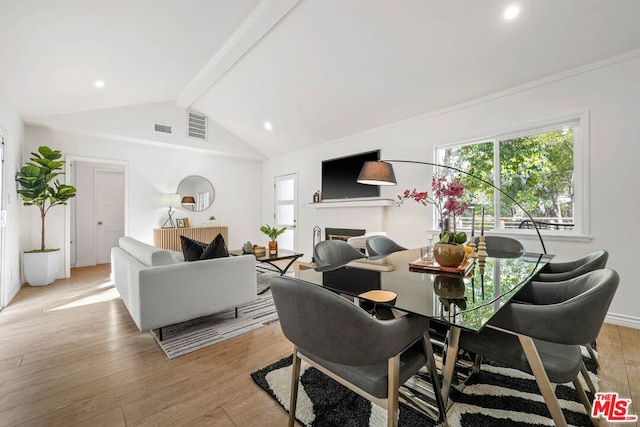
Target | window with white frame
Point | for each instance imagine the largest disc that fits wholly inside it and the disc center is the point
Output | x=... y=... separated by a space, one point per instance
x=541 y=167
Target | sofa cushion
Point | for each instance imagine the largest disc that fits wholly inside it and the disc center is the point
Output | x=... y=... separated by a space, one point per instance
x=147 y=255
x=178 y=255
x=216 y=249
x=192 y=249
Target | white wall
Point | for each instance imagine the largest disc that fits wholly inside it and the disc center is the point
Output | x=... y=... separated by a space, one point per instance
x=151 y=172
x=135 y=123
x=13 y=130
x=611 y=95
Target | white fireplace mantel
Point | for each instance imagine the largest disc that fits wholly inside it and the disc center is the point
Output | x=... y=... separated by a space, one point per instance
x=352 y=203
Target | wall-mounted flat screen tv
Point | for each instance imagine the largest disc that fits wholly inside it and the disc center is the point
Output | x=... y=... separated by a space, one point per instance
x=339 y=177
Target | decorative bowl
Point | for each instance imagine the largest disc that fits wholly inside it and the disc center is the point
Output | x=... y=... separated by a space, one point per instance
x=259 y=251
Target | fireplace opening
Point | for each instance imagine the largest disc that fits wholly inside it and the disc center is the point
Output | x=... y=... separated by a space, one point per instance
x=342 y=233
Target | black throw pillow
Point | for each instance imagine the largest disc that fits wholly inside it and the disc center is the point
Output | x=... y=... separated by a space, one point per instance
x=192 y=249
x=216 y=249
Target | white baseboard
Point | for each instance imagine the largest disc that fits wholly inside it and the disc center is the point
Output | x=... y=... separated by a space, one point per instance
x=623 y=320
x=85 y=264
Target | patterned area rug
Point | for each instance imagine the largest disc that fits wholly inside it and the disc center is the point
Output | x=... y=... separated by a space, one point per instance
x=497 y=396
x=192 y=335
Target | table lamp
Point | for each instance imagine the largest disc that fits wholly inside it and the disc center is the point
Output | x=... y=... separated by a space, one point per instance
x=171 y=200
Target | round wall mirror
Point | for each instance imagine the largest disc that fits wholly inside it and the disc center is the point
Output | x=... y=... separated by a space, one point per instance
x=197 y=193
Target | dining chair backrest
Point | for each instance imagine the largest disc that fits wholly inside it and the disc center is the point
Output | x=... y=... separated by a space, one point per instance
x=558 y=271
x=326 y=325
x=332 y=254
x=553 y=273
x=381 y=246
x=569 y=312
x=360 y=242
x=502 y=247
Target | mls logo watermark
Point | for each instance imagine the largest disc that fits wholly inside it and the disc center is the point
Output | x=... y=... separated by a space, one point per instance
x=612 y=408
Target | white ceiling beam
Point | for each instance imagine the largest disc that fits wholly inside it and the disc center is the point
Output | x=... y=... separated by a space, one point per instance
x=261 y=20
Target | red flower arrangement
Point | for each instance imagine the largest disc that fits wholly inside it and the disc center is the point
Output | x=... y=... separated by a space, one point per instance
x=446 y=199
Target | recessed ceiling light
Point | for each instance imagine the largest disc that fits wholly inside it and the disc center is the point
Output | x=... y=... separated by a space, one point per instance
x=511 y=12
x=100 y=83
x=268 y=125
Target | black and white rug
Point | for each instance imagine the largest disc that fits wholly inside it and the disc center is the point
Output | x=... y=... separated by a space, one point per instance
x=183 y=338
x=497 y=396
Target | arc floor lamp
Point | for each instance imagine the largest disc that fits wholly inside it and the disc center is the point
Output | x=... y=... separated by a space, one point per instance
x=381 y=172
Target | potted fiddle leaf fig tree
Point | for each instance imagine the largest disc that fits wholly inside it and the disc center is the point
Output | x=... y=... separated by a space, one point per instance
x=40 y=187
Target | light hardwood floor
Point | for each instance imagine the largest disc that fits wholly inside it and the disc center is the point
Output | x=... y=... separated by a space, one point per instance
x=71 y=355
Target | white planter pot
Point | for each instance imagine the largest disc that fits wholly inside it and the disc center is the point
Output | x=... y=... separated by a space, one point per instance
x=41 y=268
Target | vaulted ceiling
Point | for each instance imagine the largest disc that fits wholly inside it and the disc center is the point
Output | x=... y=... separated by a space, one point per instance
x=317 y=70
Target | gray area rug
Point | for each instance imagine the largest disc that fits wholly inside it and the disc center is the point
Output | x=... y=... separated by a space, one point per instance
x=497 y=396
x=192 y=335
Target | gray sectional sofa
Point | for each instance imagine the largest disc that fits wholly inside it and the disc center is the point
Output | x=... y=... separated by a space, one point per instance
x=159 y=288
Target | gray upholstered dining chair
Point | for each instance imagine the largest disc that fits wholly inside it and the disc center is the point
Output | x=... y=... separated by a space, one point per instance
x=381 y=246
x=332 y=254
x=558 y=271
x=369 y=356
x=561 y=271
x=544 y=339
x=502 y=247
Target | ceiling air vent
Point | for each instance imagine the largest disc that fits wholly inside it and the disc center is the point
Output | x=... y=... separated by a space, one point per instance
x=196 y=125
x=163 y=128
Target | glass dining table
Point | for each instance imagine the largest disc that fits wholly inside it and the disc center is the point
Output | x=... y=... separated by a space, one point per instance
x=455 y=302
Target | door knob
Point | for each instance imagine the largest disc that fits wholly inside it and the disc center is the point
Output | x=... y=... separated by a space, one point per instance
x=99 y=222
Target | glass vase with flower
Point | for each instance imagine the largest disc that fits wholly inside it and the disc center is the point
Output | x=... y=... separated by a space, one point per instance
x=446 y=198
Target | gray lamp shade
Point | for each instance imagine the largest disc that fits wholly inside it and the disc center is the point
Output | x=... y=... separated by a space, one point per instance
x=377 y=173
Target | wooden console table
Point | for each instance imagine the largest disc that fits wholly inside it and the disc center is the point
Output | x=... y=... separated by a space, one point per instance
x=169 y=238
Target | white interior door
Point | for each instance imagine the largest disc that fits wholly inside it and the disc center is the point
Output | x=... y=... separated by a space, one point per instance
x=285 y=215
x=3 y=221
x=109 y=212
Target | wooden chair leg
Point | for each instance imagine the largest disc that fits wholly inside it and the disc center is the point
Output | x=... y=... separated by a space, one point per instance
x=587 y=378
x=583 y=398
x=546 y=389
x=393 y=385
x=592 y=354
x=295 y=378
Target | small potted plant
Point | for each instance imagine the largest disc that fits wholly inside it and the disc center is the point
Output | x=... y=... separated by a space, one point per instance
x=39 y=187
x=273 y=234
